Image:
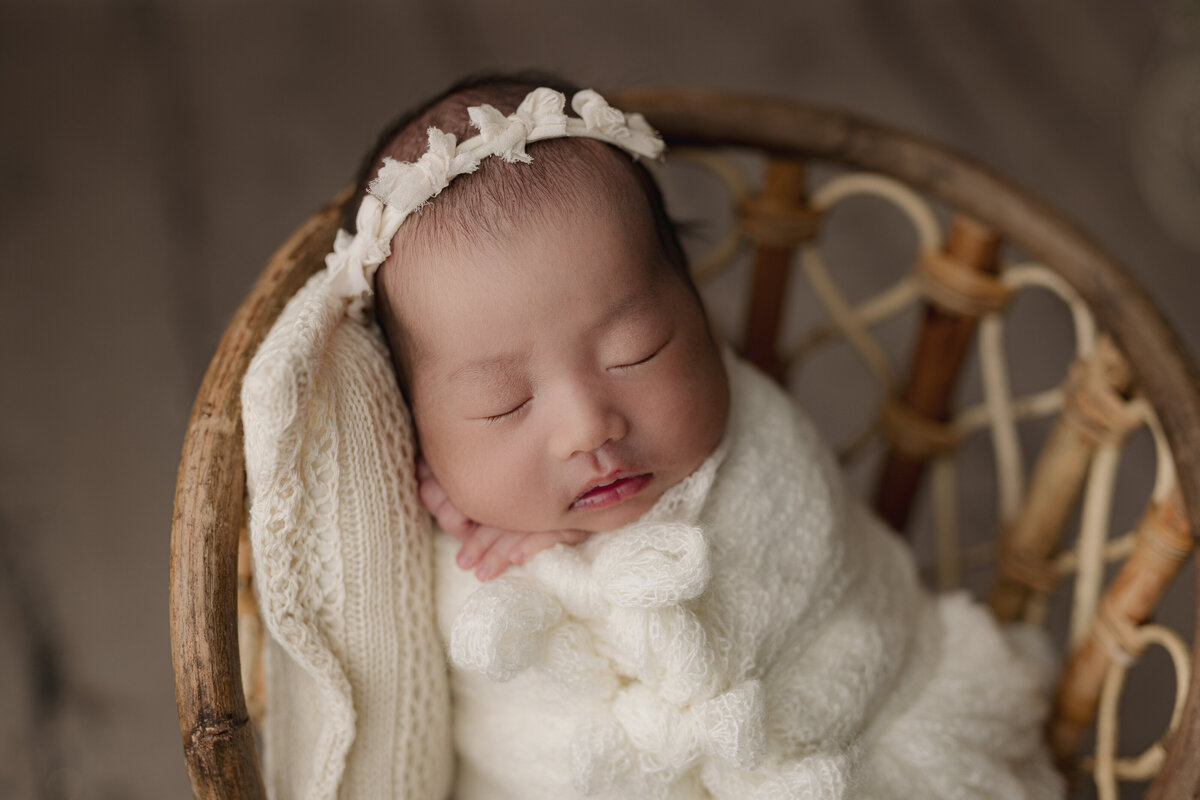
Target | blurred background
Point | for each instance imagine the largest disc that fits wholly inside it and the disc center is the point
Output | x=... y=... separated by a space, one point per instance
x=152 y=155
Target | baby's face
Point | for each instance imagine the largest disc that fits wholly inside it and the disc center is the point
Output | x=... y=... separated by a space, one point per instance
x=562 y=378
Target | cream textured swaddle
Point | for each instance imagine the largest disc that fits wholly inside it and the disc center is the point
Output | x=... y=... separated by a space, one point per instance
x=357 y=700
x=757 y=634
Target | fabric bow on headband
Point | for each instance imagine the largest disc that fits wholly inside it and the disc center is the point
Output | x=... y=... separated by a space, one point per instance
x=402 y=187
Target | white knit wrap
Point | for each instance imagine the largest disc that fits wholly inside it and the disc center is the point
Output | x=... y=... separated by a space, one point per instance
x=757 y=634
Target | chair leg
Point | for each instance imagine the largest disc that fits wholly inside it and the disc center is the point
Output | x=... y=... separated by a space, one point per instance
x=1162 y=545
x=945 y=334
x=1093 y=413
x=777 y=221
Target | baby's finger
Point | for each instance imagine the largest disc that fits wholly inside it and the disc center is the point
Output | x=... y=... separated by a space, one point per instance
x=573 y=537
x=424 y=473
x=496 y=559
x=476 y=545
x=534 y=543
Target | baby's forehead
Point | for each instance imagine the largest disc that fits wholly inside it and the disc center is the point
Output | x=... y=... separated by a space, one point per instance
x=587 y=185
x=453 y=268
x=460 y=239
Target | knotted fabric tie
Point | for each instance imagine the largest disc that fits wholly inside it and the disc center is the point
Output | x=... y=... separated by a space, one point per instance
x=645 y=734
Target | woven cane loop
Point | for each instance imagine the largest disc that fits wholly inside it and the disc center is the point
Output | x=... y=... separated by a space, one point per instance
x=1118 y=636
x=913 y=434
x=1165 y=531
x=1031 y=570
x=773 y=222
x=1094 y=406
x=957 y=288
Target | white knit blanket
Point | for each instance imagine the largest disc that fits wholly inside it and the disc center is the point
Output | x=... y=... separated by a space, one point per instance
x=757 y=634
x=357 y=699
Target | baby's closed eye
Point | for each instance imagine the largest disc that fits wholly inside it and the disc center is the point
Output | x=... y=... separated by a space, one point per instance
x=636 y=361
x=511 y=413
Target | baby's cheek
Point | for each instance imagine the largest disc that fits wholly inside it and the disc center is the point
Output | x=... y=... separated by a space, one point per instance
x=496 y=486
x=692 y=413
x=459 y=468
x=471 y=486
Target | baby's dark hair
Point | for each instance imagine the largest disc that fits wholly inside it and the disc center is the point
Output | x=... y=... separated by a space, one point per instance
x=497 y=197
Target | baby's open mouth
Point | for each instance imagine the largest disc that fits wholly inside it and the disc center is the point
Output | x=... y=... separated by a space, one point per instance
x=612 y=492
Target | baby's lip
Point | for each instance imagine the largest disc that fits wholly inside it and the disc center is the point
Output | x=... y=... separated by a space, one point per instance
x=601 y=487
x=604 y=480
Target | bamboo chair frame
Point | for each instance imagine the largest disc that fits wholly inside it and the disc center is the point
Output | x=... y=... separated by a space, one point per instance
x=209 y=514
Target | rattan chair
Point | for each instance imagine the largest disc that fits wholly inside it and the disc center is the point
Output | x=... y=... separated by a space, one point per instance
x=1131 y=371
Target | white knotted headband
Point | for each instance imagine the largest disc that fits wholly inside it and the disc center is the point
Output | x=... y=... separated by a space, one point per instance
x=401 y=187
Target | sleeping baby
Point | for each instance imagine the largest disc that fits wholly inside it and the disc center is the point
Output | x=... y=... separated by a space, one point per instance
x=651 y=580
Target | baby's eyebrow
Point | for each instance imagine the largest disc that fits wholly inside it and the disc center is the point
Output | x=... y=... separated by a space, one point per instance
x=633 y=305
x=490 y=369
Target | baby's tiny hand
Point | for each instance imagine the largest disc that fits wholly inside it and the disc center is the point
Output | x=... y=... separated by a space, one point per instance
x=490 y=550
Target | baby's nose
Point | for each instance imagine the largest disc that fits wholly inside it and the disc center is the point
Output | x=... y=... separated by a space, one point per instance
x=588 y=423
